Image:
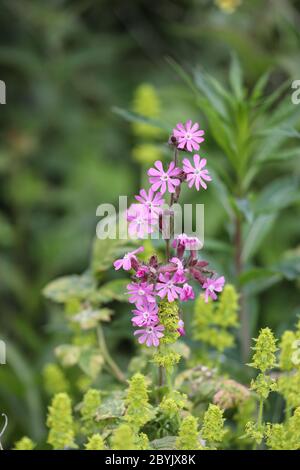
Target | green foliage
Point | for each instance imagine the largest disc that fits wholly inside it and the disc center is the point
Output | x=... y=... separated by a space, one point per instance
x=123 y=438
x=213 y=425
x=213 y=319
x=90 y=404
x=264 y=351
x=24 y=444
x=188 y=437
x=54 y=379
x=95 y=442
x=60 y=423
x=285 y=436
x=138 y=411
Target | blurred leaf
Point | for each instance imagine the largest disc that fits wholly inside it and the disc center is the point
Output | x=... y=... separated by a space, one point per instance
x=236 y=77
x=68 y=354
x=134 y=117
x=164 y=443
x=69 y=287
x=106 y=251
x=256 y=234
x=91 y=361
x=113 y=290
x=89 y=317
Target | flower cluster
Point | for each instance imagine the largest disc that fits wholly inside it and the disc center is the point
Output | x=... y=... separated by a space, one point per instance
x=153 y=281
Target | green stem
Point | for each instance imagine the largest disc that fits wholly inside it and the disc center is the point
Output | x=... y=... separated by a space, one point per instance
x=245 y=329
x=260 y=413
x=107 y=357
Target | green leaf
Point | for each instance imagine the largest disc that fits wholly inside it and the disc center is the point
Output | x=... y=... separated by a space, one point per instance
x=91 y=362
x=164 y=443
x=256 y=234
x=69 y=287
x=113 y=290
x=89 y=318
x=277 y=195
x=236 y=77
x=68 y=354
x=112 y=407
x=134 y=117
x=106 y=251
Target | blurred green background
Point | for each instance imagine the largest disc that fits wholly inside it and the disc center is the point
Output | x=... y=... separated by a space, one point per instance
x=63 y=150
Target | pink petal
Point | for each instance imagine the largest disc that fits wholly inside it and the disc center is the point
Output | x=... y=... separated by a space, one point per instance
x=194 y=127
x=196 y=160
x=158 y=164
x=188 y=125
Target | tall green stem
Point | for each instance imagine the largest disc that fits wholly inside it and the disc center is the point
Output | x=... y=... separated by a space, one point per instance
x=107 y=357
x=245 y=330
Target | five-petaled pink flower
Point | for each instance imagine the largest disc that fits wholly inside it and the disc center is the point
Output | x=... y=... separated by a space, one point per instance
x=145 y=315
x=188 y=136
x=163 y=180
x=141 y=222
x=196 y=175
x=166 y=287
x=151 y=201
x=187 y=293
x=150 y=335
x=140 y=293
x=128 y=260
x=212 y=286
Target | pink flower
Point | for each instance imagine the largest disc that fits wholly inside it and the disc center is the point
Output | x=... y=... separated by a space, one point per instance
x=212 y=285
x=128 y=259
x=142 y=271
x=187 y=293
x=151 y=201
x=140 y=293
x=179 y=274
x=186 y=242
x=145 y=315
x=167 y=287
x=196 y=175
x=141 y=222
x=150 y=335
x=181 y=329
x=188 y=136
x=161 y=179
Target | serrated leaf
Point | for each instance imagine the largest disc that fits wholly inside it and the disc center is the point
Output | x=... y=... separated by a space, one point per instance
x=112 y=407
x=69 y=287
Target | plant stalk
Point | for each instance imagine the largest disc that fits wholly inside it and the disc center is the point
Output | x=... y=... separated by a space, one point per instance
x=107 y=357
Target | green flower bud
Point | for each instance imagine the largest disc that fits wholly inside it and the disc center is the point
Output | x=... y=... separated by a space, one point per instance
x=95 y=442
x=60 y=422
x=24 y=444
x=188 y=437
